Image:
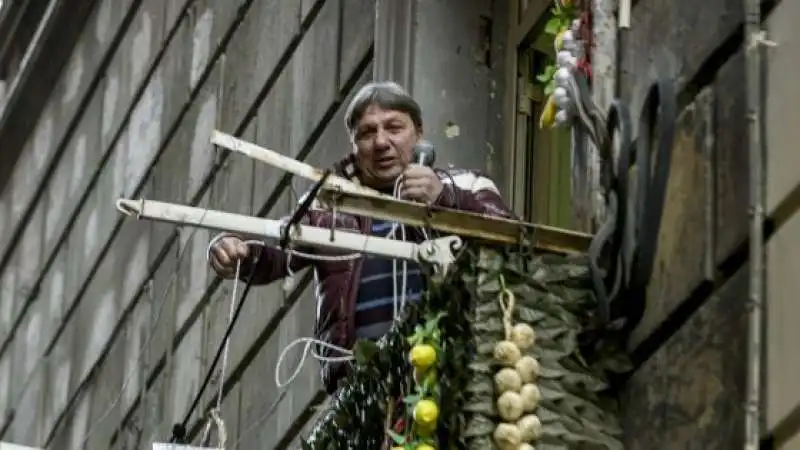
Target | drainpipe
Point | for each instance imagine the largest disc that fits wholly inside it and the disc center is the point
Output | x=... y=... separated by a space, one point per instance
x=754 y=38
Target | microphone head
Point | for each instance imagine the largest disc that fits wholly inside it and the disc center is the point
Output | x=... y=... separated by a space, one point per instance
x=424 y=153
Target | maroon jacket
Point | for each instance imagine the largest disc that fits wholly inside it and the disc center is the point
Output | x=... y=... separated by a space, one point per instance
x=337 y=282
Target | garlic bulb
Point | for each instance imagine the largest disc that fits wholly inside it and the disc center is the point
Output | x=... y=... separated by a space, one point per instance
x=507 y=379
x=530 y=395
x=507 y=436
x=522 y=334
x=530 y=428
x=507 y=353
x=509 y=406
x=527 y=368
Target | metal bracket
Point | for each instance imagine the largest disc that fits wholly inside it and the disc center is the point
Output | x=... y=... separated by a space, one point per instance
x=440 y=252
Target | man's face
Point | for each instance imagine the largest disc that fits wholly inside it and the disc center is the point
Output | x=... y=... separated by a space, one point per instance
x=384 y=141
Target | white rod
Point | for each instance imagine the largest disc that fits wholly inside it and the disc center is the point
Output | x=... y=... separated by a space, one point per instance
x=267 y=228
x=286 y=163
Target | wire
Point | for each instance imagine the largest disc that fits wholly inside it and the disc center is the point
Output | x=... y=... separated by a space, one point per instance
x=399 y=302
x=220 y=350
x=151 y=334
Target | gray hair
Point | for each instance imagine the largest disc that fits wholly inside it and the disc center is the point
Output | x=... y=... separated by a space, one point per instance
x=387 y=95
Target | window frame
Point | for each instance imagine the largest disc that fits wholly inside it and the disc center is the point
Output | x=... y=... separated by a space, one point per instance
x=524 y=16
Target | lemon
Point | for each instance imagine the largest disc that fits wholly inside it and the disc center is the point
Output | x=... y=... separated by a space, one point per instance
x=425 y=431
x=426 y=413
x=422 y=356
x=425 y=447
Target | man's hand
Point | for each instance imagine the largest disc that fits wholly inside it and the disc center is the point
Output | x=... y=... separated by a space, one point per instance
x=225 y=253
x=420 y=183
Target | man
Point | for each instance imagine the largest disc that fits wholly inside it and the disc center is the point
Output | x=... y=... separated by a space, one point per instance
x=356 y=298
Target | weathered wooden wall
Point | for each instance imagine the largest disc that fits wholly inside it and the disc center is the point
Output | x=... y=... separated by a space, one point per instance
x=88 y=297
x=690 y=389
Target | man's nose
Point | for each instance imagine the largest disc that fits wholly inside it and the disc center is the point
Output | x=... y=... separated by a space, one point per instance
x=382 y=139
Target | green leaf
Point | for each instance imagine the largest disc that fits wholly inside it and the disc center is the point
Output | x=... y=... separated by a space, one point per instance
x=364 y=351
x=411 y=399
x=399 y=440
x=551 y=86
x=552 y=26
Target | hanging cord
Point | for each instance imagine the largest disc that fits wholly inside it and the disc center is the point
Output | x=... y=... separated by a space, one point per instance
x=214 y=418
x=150 y=335
x=399 y=302
x=507 y=303
x=179 y=430
x=214 y=414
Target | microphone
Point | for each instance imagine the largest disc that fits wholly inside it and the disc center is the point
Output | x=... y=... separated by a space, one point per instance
x=424 y=153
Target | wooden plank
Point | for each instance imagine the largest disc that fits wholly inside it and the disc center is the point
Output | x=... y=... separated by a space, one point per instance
x=731 y=160
x=354 y=199
x=683 y=247
x=458 y=222
x=691 y=393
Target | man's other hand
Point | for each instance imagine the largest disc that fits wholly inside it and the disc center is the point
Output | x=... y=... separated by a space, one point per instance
x=421 y=184
x=225 y=253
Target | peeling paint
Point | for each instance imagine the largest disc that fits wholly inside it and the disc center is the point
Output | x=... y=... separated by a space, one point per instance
x=452 y=130
x=31 y=247
x=55 y=202
x=490 y=159
x=74 y=76
x=5 y=379
x=136 y=269
x=8 y=286
x=22 y=177
x=186 y=372
x=80 y=422
x=33 y=339
x=198 y=276
x=120 y=156
x=103 y=21
x=201 y=45
x=59 y=388
x=57 y=286
x=110 y=99
x=140 y=50
x=90 y=235
x=102 y=325
x=202 y=152
x=136 y=335
x=4 y=215
x=144 y=133
x=42 y=142
x=78 y=165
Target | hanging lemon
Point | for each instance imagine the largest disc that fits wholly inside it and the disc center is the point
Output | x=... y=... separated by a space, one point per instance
x=422 y=356
x=426 y=413
x=425 y=447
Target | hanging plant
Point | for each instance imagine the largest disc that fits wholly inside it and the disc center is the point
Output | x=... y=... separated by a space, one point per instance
x=496 y=356
x=570 y=27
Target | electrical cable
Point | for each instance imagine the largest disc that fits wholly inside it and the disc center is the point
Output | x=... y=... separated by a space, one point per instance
x=151 y=334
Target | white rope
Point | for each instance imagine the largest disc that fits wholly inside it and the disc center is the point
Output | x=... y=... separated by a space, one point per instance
x=222 y=434
x=399 y=302
x=399 y=297
x=231 y=312
x=151 y=333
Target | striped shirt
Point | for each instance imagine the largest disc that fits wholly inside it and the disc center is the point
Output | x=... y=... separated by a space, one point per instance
x=375 y=300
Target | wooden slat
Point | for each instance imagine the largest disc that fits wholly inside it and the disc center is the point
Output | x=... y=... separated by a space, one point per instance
x=462 y=223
